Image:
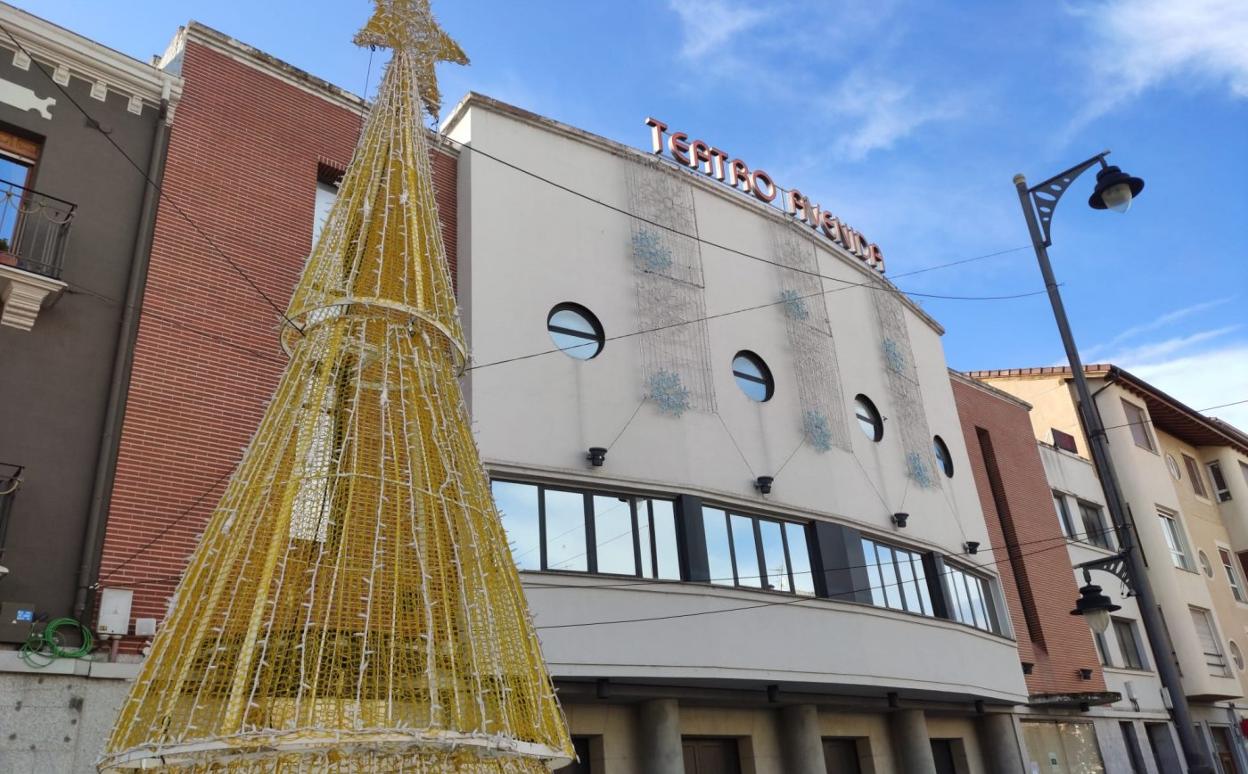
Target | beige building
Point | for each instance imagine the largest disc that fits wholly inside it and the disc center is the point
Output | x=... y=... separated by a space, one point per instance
x=1184 y=478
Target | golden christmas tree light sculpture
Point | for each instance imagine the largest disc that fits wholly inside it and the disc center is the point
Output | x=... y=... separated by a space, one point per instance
x=353 y=605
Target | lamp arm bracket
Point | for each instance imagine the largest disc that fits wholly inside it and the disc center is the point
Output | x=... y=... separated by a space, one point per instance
x=1044 y=196
x=1115 y=565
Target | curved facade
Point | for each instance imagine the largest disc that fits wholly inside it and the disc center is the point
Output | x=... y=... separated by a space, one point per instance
x=674 y=599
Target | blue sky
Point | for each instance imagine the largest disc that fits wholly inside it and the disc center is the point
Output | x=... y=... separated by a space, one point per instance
x=907 y=120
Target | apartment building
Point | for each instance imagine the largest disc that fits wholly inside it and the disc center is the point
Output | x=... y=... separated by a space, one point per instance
x=1184 y=478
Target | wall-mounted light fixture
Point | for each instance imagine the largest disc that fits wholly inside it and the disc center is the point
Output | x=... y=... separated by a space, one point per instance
x=597 y=455
x=763 y=484
x=972 y=546
x=1085 y=673
x=899 y=520
x=773 y=694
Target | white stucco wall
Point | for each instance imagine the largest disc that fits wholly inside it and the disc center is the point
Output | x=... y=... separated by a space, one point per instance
x=526 y=245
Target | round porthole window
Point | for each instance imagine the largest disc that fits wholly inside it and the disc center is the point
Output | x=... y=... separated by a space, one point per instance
x=868 y=418
x=1237 y=656
x=753 y=376
x=942 y=455
x=575 y=331
x=1204 y=563
x=1173 y=466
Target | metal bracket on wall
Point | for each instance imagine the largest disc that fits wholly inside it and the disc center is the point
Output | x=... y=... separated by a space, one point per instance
x=1114 y=565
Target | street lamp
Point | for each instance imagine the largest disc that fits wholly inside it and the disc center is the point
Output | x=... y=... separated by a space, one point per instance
x=1115 y=190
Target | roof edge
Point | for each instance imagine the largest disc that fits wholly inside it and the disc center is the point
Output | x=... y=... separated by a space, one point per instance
x=995 y=392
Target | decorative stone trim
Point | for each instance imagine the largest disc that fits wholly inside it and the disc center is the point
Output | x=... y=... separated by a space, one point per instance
x=23 y=295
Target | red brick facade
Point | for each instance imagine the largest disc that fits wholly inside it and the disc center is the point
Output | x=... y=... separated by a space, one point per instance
x=242 y=164
x=1036 y=574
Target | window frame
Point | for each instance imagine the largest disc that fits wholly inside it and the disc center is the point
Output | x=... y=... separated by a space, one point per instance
x=877 y=583
x=589 y=515
x=1176 y=541
x=599 y=338
x=760 y=559
x=876 y=418
x=1064 y=518
x=764 y=378
x=1101 y=536
x=1233 y=578
x=943 y=457
x=1133 y=656
x=1222 y=492
x=1194 y=476
x=1141 y=421
x=991 y=612
x=1216 y=657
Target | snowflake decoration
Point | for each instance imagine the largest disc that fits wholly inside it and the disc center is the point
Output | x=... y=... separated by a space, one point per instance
x=794 y=305
x=650 y=252
x=918 y=470
x=817 y=430
x=893 y=357
x=668 y=393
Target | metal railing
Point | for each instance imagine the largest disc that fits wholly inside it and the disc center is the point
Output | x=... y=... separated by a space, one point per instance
x=34 y=228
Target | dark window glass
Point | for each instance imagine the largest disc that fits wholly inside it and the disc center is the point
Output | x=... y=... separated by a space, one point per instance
x=1063 y=514
x=575 y=330
x=1094 y=529
x=868 y=418
x=942 y=455
x=1194 y=476
x=1128 y=644
x=1219 y=481
x=753 y=376
x=1102 y=649
x=1139 y=426
x=1064 y=441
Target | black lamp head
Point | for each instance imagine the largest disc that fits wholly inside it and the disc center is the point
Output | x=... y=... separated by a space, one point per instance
x=1091 y=600
x=597 y=455
x=972 y=546
x=1115 y=189
x=763 y=484
x=900 y=519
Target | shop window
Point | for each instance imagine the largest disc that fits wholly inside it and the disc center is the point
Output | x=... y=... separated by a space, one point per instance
x=942 y=456
x=575 y=331
x=1219 y=481
x=757 y=552
x=1139 y=426
x=1194 y=476
x=868 y=417
x=1129 y=645
x=753 y=376
x=896 y=577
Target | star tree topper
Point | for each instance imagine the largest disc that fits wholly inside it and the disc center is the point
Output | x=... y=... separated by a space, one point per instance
x=408 y=26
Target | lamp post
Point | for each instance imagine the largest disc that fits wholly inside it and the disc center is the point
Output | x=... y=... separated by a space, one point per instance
x=1114 y=190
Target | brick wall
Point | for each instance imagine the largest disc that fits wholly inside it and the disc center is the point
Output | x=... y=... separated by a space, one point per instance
x=243 y=160
x=1036 y=576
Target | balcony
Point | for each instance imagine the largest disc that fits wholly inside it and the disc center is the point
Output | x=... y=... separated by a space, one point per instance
x=34 y=228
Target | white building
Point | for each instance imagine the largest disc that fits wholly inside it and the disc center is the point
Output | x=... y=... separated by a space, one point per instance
x=693 y=623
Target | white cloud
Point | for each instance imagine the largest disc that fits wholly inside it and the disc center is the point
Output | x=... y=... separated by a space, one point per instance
x=1141 y=43
x=709 y=25
x=1169 y=318
x=1153 y=352
x=884 y=111
x=1209 y=378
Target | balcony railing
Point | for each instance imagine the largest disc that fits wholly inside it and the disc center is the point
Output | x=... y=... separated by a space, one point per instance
x=34 y=228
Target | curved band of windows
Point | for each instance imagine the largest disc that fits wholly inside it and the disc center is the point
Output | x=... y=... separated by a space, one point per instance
x=563 y=529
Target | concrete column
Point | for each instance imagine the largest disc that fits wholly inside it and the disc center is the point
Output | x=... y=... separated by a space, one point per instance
x=658 y=732
x=998 y=741
x=801 y=741
x=912 y=748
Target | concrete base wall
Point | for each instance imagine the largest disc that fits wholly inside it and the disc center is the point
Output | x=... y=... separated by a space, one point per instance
x=55 y=722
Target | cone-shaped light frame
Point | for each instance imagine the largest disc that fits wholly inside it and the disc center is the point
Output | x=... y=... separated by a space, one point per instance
x=353 y=605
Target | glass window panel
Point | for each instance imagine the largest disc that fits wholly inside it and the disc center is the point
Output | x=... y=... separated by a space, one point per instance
x=774 y=563
x=565 y=531
x=1138 y=425
x=1063 y=514
x=613 y=533
x=1231 y=575
x=873 y=573
x=746 y=367
x=745 y=551
x=888 y=574
x=799 y=558
x=909 y=591
x=961 y=600
x=1194 y=476
x=326 y=193
x=1094 y=528
x=569 y=319
x=518 y=505
x=975 y=588
x=575 y=346
x=718 y=556
x=665 y=540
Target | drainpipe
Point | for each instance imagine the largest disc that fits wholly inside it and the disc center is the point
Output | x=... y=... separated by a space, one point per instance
x=123 y=359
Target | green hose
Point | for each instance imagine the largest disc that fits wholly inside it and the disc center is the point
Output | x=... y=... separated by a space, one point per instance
x=46 y=644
